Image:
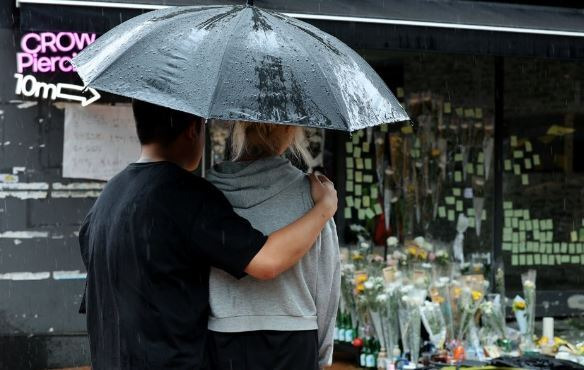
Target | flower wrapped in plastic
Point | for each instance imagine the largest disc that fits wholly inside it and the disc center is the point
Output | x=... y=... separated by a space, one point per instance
x=440 y=294
x=468 y=304
x=528 y=281
x=433 y=321
x=410 y=319
x=492 y=318
x=348 y=290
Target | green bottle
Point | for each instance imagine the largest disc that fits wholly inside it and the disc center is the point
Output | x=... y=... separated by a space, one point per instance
x=371 y=356
x=349 y=332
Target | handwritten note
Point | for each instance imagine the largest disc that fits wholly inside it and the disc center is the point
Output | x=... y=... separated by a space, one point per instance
x=99 y=141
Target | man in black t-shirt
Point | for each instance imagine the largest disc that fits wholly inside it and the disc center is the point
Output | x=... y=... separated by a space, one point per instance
x=149 y=241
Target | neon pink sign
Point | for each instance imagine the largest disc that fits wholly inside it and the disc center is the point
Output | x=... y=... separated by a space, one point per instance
x=50 y=52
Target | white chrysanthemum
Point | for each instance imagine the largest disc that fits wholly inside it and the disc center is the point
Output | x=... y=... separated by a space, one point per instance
x=420 y=241
x=392 y=241
x=368 y=284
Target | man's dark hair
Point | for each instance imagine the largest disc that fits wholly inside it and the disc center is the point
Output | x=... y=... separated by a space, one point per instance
x=157 y=124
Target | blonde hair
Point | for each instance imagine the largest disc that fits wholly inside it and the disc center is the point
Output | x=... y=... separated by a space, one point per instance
x=258 y=140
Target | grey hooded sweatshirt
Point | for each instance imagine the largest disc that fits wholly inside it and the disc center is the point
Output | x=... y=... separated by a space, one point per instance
x=271 y=193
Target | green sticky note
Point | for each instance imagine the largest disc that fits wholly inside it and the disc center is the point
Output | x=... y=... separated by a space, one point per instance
x=507 y=205
x=507 y=237
x=366 y=201
x=470 y=168
x=456 y=192
x=458 y=157
x=442 y=212
x=368 y=179
x=349 y=201
x=579 y=248
x=514 y=260
x=348 y=213
x=521 y=225
x=574 y=236
x=350 y=163
x=361 y=214
x=522 y=236
x=369 y=213
x=540 y=247
x=457 y=176
x=535 y=224
x=470 y=212
x=358 y=190
x=459 y=206
x=515 y=223
x=481 y=157
x=565 y=258
x=349 y=147
x=507 y=247
x=509 y=213
x=450 y=215
x=517 y=169
x=450 y=200
x=349 y=187
x=537 y=259
x=359 y=163
x=357 y=152
x=527 y=162
x=515 y=237
x=374 y=192
x=358 y=176
x=557 y=247
x=368 y=164
x=529 y=260
x=526 y=214
x=513 y=141
x=357 y=203
x=575 y=259
x=507 y=165
x=384 y=127
x=518 y=154
x=524 y=179
x=564 y=247
x=528 y=147
x=366 y=147
x=515 y=248
x=356 y=137
x=528 y=225
x=571 y=248
x=377 y=208
x=550 y=224
x=542 y=224
x=472 y=222
x=536 y=160
x=518 y=213
x=350 y=174
x=548 y=247
x=521 y=247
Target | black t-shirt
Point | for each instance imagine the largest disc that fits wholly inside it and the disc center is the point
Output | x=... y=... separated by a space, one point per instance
x=148 y=244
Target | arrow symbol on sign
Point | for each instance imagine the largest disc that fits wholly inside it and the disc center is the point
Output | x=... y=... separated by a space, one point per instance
x=94 y=95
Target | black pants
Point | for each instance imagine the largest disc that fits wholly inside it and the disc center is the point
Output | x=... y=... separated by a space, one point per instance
x=264 y=350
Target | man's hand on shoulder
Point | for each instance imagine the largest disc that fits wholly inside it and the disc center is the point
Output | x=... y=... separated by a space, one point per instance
x=323 y=194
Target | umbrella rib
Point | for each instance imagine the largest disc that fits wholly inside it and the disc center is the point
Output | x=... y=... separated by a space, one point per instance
x=340 y=106
x=215 y=89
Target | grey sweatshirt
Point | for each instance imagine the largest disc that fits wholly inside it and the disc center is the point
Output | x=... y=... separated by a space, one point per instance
x=271 y=193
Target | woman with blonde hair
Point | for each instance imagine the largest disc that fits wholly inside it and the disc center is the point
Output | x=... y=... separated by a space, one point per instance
x=286 y=323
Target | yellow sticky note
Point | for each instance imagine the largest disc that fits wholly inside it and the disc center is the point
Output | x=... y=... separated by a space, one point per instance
x=536 y=160
x=470 y=168
x=350 y=174
x=359 y=163
x=377 y=209
x=347 y=213
x=513 y=141
x=407 y=129
x=358 y=190
x=524 y=179
x=366 y=201
x=350 y=162
x=518 y=154
x=442 y=212
x=374 y=192
x=457 y=176
x=456 y=192
x=355 y=138
x=507 y=165
x=357 y=152
x=358 y=203
x=358 y=176
x=400 y=92
x=469 y=113
x=459 y=111
x=447 y=107
x=349 y=147
x=478 y=113
x=574 y=236
x=517 y=169
x=366 y=147
x=458 y=157
x=368 y=164
x=450 y=215
x=528 y=147
x=527 y=162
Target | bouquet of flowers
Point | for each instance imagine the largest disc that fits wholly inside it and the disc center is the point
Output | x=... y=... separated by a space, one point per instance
x=492 y=317
x=440 y=294
x=410 y=320
x=468 y=305
x=348 y=290
x=433 y=320
x=528 y=282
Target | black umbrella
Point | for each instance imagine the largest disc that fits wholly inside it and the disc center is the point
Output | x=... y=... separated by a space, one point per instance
x=239 y=63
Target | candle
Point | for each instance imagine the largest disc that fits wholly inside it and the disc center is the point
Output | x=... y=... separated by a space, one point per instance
x=548 y=328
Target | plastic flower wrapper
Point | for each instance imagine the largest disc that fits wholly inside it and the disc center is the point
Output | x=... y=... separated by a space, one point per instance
x=440 y=294
x=410 y=320
x=376 y=302
x=389 y=316
x=348 y=291
x=433 y=321
x=528 y=282
x=468 y=304
x=492 y=318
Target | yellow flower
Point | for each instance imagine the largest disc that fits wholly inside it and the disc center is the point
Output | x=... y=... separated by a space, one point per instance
x=412 y=250
x=437 y=299
x=360 y=288
x=476 y=295
x=360 y=278
x=422 y=254
x=435 y=152
x=456 y=292
x=519 y=305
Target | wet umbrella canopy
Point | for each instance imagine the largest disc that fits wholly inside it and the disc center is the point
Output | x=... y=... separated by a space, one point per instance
x=239 y=63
